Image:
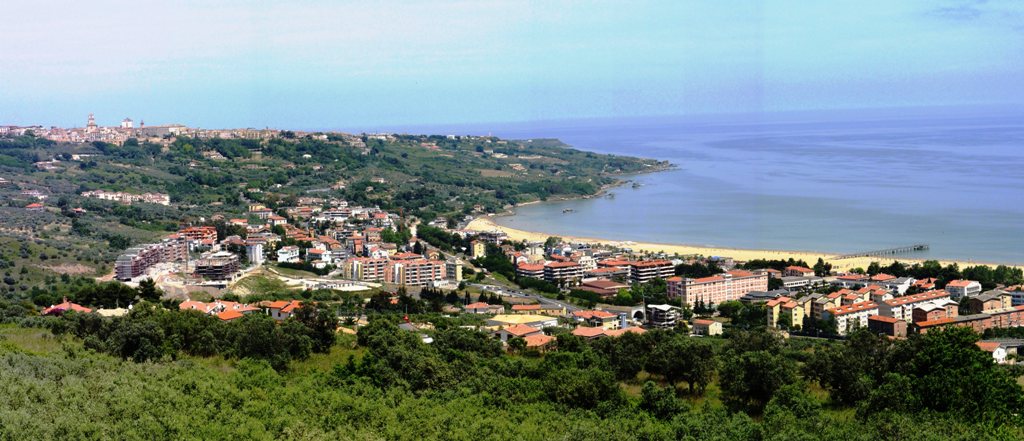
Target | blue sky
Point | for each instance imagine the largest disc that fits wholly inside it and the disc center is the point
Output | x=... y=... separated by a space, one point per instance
x=328 y=64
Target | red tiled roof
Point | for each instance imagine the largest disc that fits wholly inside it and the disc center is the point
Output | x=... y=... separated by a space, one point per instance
x=66 y=306
x=988 y=346
x=650 y=263
x=708 y=279
x=537 y=340
x=562 y=264
x=703 y=322
x=930 y=295
x=605 y=284
x=936 y=322
x=477 y=305
x=587 y=331
x=586 y=314
x=856 y=307
x=521 y=330
x=618 y=332
x=882 y=318
x=229 y=315
x=778 y=300
x=526 y=307
x=802 y=269
x=960 y=283
x=531 y=267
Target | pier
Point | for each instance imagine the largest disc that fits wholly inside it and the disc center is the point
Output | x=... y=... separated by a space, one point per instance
x=886 y=252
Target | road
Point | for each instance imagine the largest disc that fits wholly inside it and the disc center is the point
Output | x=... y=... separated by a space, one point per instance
x=501 y=290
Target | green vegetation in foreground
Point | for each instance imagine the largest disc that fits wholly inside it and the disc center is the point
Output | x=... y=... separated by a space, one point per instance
x=387 y=384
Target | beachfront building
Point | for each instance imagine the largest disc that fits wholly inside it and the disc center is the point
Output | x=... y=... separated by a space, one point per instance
x=716 y=289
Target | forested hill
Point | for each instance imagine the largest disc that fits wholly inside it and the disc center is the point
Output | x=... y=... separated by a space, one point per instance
x=422 y=175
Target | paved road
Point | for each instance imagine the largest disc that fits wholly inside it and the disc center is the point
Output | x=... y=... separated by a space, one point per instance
x=521 y=294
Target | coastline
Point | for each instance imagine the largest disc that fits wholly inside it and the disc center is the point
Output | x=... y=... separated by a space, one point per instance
x=487 y=224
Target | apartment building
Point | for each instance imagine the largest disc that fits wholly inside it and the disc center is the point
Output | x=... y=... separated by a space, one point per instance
x=217 y=266
x=787 y=309
x=644 y=271
x=902 y=308
x=418 y=272
x=850 y=317
x=199 y=234
x=716 y=289
x=563 y=273
x=135 y=261
x=959 y=289
x=662 y=316
x=367 y=269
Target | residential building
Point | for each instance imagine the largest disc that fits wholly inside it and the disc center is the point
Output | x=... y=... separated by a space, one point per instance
x=288 y=253
x=563 y=273
x=959 y=289
x=784 y=309
x=989 y=301
x=218 y=266
x=644 y=271
x=890 y=326
x=763 y=296
x=662 y=316
x=254 y=252
x=281 y=310
x=65 y=306
x=716 y=289
x=797 y=271
x=199 y=234
x=706 y=327
x=797 y=282
x=367 y=269
x=477 y=249
x=902 y=308
x=519 y=330
x=603 y=287
x=418 y=272
x=850 y=317
x=453 y=270
x=484 y=308
x=597 y=319
x=134 y=261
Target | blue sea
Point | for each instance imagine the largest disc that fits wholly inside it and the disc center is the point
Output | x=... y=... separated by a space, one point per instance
x=820 y=181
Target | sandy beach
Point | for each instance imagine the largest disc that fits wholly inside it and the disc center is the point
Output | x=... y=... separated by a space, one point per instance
x=487 y=224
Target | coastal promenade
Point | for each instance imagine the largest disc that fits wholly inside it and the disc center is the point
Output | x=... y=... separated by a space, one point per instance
x=838 y=261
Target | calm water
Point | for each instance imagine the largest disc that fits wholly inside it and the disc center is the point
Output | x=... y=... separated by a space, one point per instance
x=842 y=183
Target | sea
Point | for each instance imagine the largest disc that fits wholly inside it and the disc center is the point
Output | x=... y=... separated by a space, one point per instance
x=829 y=181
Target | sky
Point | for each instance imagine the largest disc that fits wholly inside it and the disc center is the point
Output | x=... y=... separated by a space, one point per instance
x=334 y=65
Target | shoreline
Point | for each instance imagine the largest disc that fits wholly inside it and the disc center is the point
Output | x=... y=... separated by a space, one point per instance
x=487 y=223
